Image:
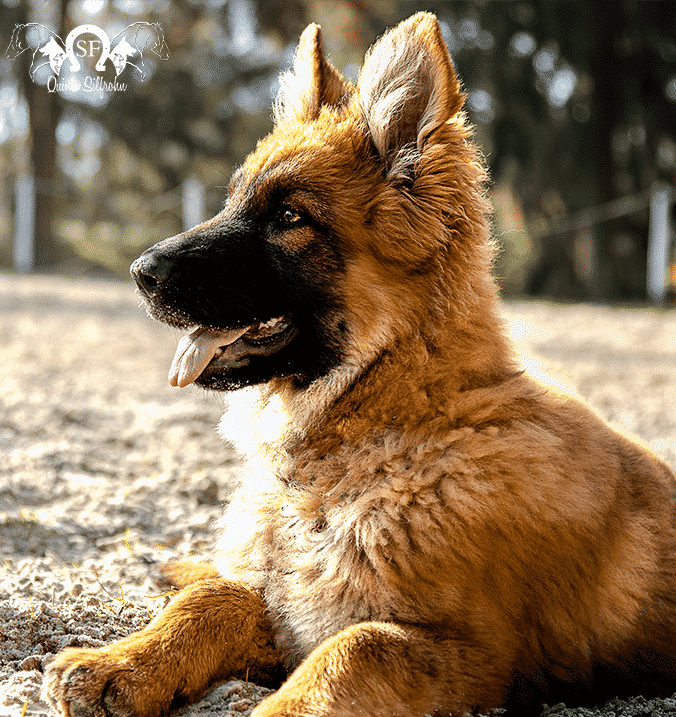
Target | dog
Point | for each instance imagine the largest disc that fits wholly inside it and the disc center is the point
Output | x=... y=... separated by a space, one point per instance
x=422 y=528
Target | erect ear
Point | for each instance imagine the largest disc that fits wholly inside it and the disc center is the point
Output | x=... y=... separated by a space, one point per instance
x=408 y=87
x=311 y=83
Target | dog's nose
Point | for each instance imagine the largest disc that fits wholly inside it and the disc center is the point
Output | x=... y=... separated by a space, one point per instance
x=150 y=272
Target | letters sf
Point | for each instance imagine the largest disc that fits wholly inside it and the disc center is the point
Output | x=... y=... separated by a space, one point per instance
x=87 y=48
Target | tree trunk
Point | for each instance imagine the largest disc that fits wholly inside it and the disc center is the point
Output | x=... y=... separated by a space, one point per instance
x=44 y=111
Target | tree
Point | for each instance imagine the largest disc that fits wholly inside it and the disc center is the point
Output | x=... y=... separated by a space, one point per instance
x=44 y=111
x=215 y=87
x=581 y=105
x=575 y=102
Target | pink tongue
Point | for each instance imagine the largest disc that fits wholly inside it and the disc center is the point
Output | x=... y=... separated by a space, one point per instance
x=195 y=351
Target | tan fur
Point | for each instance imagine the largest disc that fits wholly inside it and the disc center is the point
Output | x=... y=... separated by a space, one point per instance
x=425 y=529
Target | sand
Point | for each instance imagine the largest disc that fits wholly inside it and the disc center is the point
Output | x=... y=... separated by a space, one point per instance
x=106 y=471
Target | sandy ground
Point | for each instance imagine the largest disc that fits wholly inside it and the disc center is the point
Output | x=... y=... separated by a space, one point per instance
x=106 y=471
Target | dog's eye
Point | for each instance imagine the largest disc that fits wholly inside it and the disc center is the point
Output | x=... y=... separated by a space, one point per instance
x=291 y=216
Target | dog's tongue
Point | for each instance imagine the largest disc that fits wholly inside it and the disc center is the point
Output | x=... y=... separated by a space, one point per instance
x=195 y=351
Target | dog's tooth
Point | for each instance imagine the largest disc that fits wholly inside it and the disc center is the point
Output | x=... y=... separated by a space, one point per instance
x=269 y=327
x=271 y=323
x=195 y=351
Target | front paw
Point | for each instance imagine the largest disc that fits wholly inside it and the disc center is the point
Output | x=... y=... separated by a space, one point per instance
x=107 y=682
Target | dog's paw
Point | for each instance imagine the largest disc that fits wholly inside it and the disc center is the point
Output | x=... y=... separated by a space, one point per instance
x=104 y=683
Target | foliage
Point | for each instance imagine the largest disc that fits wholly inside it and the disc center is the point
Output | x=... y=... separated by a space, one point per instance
x=574 y=105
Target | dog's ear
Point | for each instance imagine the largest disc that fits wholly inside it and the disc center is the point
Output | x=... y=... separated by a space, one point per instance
x=311 y=83
x=408 y=87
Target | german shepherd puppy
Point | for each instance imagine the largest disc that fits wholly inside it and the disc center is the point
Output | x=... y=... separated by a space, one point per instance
x=423 y=529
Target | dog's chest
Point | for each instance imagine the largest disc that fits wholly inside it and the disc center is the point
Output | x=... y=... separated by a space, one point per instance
x=322 y=581
x=317 y=572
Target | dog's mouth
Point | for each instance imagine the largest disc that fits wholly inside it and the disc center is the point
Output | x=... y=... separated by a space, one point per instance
x=208 y=350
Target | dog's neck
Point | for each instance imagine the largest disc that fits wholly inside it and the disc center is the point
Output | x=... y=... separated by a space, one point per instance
x=266 y=422
x=284 y=427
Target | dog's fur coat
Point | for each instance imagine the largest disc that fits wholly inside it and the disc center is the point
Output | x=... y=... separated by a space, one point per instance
x=422 y=528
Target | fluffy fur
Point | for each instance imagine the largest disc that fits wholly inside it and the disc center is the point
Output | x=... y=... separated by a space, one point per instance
x=422 y=528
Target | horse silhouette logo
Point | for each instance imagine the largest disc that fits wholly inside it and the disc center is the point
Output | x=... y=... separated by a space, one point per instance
x=49 y=49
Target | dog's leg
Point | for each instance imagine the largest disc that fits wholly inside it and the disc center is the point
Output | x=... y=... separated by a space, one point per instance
x=212 y=630
x=383 y=670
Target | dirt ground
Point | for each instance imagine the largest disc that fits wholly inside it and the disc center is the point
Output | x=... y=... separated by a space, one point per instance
x=106 y=471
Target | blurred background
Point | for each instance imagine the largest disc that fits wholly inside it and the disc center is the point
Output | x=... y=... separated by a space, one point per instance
x=574 y=104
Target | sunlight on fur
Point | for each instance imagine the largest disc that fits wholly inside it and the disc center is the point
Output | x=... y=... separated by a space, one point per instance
x=421 y=527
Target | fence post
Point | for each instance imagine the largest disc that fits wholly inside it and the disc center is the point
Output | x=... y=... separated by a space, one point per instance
x=194 y=201
x=24 y=229
x=659 y=241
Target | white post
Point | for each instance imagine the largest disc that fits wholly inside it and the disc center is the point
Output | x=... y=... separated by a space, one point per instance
x=24 y=234
x=194 y=200
x=659 y=240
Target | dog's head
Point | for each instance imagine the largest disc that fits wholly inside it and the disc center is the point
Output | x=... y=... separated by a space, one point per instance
x=343 y=230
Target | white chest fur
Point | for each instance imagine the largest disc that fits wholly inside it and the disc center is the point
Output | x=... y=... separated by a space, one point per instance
x=324 y=561
x=319 y=574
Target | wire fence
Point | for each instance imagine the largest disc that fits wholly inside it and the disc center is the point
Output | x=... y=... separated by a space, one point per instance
x=190 y=202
